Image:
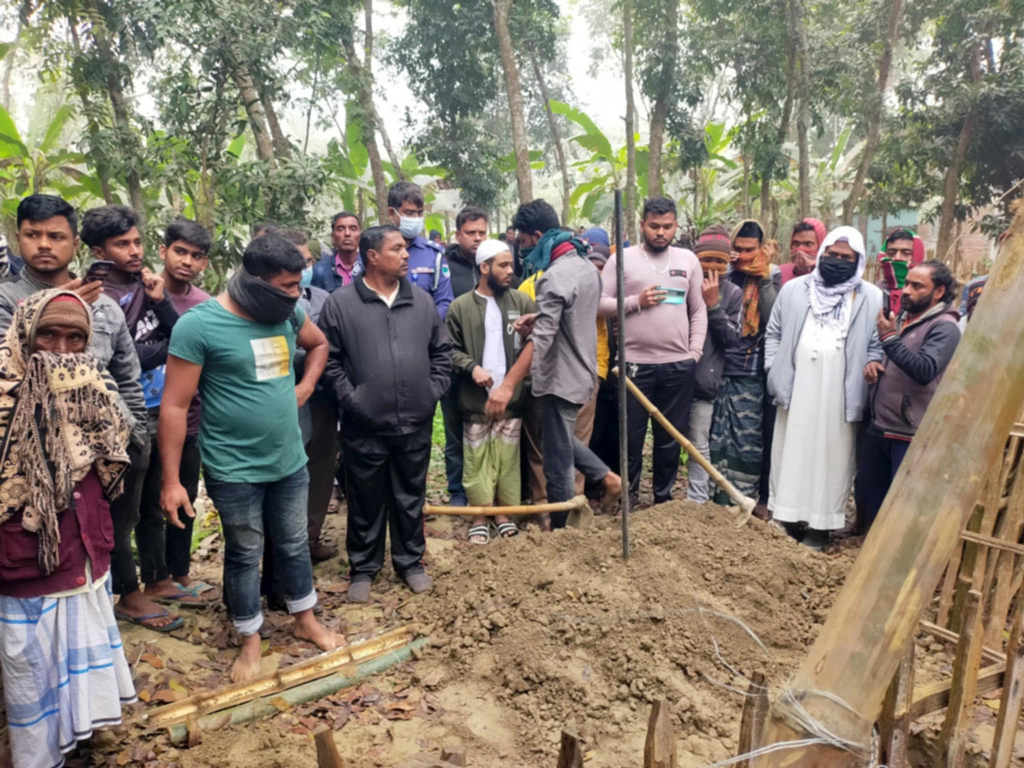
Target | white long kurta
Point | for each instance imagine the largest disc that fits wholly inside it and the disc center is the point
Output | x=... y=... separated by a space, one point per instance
x=814 y=448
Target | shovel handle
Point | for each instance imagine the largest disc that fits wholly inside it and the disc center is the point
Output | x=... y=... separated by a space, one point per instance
x=577 y=502
x=745 y=502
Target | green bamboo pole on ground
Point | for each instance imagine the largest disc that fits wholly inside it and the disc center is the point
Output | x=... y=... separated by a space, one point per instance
x=842 y=683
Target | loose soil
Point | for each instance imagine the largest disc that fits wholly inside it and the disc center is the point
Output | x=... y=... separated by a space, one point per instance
x=530 y=636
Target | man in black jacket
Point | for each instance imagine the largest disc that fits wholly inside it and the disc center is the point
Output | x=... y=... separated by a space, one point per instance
x=389 y=364
x=724 y=301
x=470 y=231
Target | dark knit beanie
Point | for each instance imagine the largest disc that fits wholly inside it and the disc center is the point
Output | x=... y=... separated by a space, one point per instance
x=66 y=310
x=714 y=240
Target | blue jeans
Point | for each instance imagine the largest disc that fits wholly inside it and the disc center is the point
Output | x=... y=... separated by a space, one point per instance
x=244 y=510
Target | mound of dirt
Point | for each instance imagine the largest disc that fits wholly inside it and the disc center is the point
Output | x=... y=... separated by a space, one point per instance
x=564 y=633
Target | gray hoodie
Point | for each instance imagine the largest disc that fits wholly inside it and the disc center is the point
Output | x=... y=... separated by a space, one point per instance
x=111 y=345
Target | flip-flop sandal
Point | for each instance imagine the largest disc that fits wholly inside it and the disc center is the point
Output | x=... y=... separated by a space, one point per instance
x=507 y=530
x=480 y=530
x=194 y=591
x=176 y=624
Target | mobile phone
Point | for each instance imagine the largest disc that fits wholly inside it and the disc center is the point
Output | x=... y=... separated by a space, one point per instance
x=98 y=271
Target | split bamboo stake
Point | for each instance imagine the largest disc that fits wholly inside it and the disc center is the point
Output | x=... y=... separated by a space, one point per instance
x=894 y=724
x=746 y=504
x=892 y=581
x=755 y=713
x=1013 y=697
x=281 y=680
x=326 y=750
x=953 y=738
x=660 y=746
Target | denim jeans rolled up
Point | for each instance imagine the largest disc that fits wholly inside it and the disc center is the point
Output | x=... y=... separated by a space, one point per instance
x=245 y=510
x=564 y=453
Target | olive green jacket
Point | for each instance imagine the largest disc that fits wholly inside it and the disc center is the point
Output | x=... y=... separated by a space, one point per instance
x=465 y=323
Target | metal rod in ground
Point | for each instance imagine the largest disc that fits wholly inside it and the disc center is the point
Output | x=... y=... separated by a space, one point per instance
x=620 y=280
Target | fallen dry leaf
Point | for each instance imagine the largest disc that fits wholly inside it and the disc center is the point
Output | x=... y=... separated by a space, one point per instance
x=145 y=695
x=166 y=696
x=280 y=703
x=153 y=661
x=177 y=686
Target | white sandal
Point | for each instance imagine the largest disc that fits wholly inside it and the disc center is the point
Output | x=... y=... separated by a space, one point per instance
x=483 y=531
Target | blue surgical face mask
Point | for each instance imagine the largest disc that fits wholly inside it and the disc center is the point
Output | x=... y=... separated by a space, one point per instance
x=307 y=277
x=410 y=226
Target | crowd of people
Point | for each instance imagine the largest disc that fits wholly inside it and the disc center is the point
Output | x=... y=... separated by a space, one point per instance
x=801 y=382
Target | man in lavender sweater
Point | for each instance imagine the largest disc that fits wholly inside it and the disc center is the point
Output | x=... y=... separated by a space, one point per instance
x=666 y=322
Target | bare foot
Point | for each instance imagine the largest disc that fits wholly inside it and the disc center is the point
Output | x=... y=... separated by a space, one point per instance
x=247 y=665
x=137 y=604
x=309 y=629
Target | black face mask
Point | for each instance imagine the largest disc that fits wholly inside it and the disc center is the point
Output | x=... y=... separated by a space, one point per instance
x=834 y=270
x=263 y=302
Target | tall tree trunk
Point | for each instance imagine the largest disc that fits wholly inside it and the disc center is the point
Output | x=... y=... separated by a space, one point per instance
x=746 y=186
x=556 y=136
x=876 y=110
x=118 y=102
x=787 y=115
x=952 y=182
x=803 y=118
x=396 y=163
x=380 y=187
x=253 y=109
x=370 y=124
x=627 y=37
x=659 y=115
x=524 y=179
x=282 y=150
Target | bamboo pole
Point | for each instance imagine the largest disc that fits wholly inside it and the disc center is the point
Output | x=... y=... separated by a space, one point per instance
x=621 y=399
x=312 y=691
x=575 y=503
x=281 y=680
x=953 y=738
x=755 y=712
x=894 y=724
x=892 y=581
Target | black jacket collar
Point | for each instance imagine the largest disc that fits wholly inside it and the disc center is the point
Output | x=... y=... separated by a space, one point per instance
x=367 y=294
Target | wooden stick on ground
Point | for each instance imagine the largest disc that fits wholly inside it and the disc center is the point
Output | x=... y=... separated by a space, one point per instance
x=281 y=680
x=326 y=750
x=953 y=739
x=660 y=746
x=570 y=755
x=935 y=697
x=1013 y=697
x=755 y=713
x=843 y=680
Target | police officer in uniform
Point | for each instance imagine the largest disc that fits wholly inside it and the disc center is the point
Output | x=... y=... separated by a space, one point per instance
x=428 y=267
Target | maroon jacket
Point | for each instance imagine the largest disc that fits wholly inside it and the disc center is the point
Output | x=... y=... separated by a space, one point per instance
x=86 y=531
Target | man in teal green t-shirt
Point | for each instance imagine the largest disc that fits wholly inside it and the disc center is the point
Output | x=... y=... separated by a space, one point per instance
x=237 y=351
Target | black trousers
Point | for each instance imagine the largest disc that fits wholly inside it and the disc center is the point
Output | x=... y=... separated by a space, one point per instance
x=604 y=441
x=669 y=387
x=165 y=550
x=124 y=513
x=387 y=483
x=880 y=458
x=767 y=435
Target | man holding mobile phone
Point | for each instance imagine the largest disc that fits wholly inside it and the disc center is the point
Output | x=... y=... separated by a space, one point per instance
x=666 y=323
x=112 y=234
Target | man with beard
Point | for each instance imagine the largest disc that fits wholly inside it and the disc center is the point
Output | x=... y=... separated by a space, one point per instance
x=918 y=345
x=803 y=249
x=724 y=301
x=666 y=324
x=470 y=232
x=820 y=338
x=491 y=362
x=341 y=265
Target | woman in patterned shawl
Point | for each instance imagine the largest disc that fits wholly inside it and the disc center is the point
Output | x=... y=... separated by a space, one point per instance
x=62 y=457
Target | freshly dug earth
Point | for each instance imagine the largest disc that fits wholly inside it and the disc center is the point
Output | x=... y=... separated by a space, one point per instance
x=550 y=631
x=562 y=632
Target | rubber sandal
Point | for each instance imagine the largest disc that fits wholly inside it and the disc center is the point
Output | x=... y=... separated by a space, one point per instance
x=193 y=592
x=480 y=530
x=176 y=624
x=507 y=530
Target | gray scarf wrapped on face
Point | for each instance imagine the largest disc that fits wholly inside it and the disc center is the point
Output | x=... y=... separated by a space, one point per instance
x=263 y=302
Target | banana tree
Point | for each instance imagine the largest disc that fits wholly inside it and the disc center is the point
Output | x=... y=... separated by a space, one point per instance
x=38 y=164
x=594 y=198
